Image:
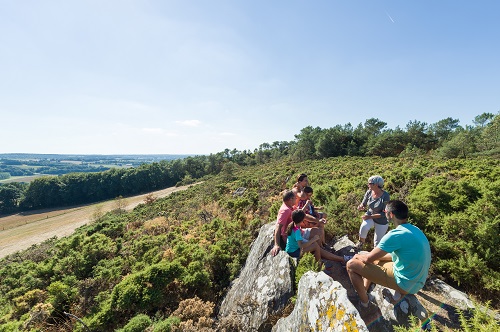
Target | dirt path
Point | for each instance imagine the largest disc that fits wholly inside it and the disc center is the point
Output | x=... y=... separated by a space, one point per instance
x=20 y=231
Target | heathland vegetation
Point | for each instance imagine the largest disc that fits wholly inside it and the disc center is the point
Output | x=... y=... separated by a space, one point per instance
x=167 y=264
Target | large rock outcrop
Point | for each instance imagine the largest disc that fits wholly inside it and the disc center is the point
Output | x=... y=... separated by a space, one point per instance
x=264 y=286
x=322 y=305
x=454 y=298
x=390 y=314
x=324 y=302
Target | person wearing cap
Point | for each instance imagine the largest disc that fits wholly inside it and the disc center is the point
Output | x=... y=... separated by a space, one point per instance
x=400 y=261
x=374 y=203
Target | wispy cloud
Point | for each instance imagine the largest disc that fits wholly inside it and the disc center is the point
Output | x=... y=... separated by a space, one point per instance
x=389 y=16
x=227 y=134
x=189 y=123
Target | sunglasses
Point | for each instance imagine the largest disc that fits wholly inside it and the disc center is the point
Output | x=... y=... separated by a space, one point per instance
x=371 y=183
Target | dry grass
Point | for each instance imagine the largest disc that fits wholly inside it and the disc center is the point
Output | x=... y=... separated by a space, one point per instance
x=20 y=231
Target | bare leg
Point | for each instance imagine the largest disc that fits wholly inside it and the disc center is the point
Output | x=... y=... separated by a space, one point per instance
x=320 y=231
x=322 y=235
x=366 y=283
x=353 y=268
x=331 y=257
x=315 y=250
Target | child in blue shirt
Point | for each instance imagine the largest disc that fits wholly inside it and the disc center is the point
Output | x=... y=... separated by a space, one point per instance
x=297 y=245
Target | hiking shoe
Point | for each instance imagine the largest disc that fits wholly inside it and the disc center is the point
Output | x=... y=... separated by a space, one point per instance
x=369 y=310
x=392 y=296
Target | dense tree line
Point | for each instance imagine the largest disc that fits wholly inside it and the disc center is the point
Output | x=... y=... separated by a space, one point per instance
x=444 y=139
x=50 y=168
x=10 y=196
x=16 y=171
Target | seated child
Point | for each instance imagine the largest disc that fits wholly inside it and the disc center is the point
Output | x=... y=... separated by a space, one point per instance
x=297 y=245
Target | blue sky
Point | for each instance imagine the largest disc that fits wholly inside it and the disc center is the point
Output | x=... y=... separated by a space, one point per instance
x=196 y=77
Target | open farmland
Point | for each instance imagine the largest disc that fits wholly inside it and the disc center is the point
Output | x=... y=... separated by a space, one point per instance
x=22 y=230
x=26 y=179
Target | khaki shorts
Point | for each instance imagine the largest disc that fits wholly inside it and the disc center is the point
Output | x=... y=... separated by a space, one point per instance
x=382 y=274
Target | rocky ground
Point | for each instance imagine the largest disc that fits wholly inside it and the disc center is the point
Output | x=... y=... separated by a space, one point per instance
x=439 y=299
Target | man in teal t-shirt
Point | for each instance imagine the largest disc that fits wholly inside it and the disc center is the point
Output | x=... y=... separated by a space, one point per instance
x=400 y=261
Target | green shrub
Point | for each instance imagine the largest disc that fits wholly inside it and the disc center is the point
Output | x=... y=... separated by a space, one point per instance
x=145 y=290
x=61 y=295
x=138 y=323
x=482 y=320
x=479 y=319
x=116 y=267
x=167 y=324
x=196 y=277
x=11 y=327
x=25 y=302
x=306 y=263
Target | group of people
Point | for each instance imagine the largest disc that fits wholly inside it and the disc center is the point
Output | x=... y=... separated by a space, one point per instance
x=299 y=227
x=400 y=259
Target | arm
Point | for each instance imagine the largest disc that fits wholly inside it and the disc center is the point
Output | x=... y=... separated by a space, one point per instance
x=376 y=254
x=301 y=194
x=306 y=206
x=312 y=219
x=277 y=234
x=372 y=216
x=304 y=246
x=362 y=205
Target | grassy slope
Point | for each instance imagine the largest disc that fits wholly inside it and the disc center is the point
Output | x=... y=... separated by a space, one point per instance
x=20 y=231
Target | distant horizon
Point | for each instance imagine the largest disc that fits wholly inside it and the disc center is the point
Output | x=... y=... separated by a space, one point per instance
x=387 y=127
x=97 y=154
x=94 y=155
